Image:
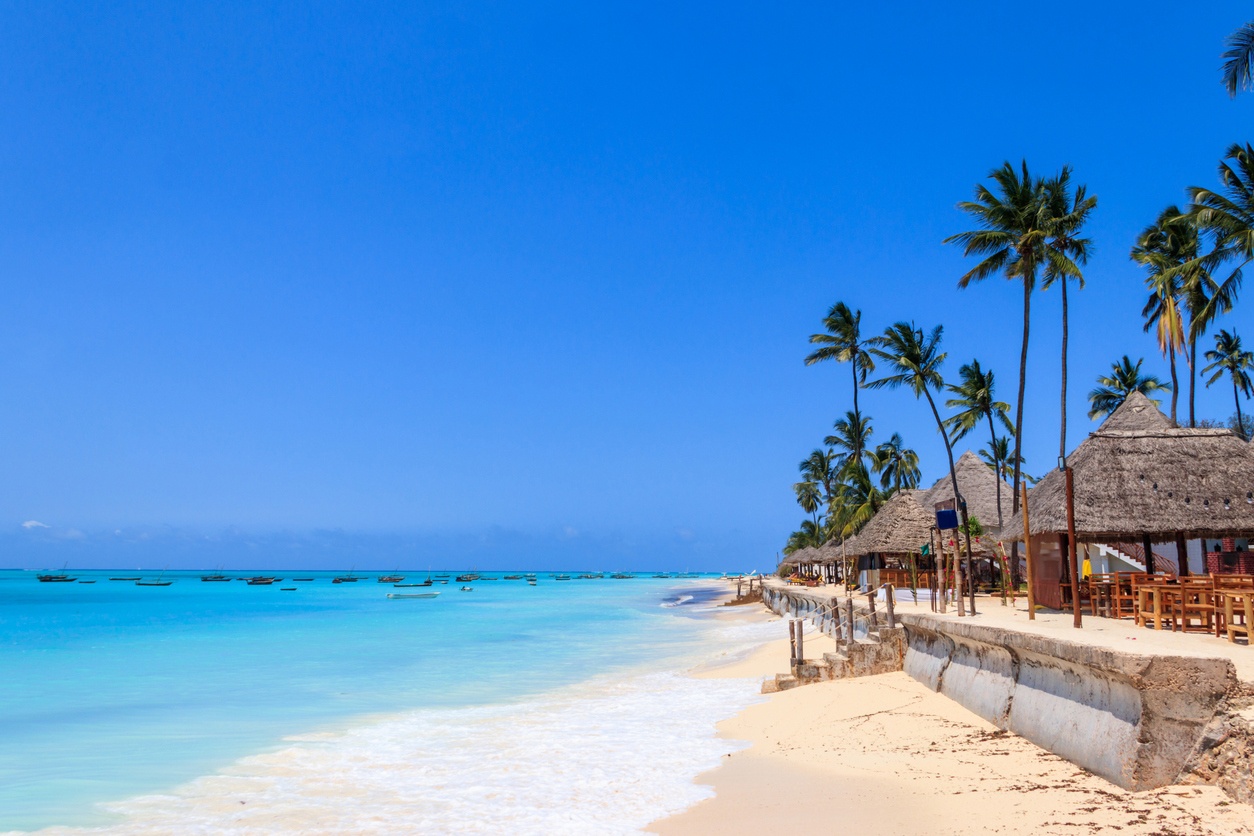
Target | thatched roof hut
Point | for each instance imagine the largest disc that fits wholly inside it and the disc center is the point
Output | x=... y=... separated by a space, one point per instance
x=1139 y=476
x=901 y=526
x=978 y=484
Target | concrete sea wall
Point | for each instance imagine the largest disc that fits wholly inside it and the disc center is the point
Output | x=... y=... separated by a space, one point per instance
x=1140 y=721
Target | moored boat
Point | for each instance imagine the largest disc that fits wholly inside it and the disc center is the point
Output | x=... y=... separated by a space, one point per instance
x=391 y=578
x=412 y=594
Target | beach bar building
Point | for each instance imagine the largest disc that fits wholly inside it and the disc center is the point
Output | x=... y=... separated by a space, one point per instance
x=1139 y=480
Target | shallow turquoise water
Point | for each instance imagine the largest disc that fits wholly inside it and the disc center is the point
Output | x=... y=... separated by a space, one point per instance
x=111 y=690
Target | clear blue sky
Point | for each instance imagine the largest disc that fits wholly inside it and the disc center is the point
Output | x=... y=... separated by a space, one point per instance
x=328 y=282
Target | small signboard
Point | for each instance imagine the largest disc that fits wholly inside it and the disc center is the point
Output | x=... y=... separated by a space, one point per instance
x=946 y=518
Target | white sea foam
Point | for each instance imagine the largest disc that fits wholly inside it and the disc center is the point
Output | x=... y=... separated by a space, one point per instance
x=607 y=756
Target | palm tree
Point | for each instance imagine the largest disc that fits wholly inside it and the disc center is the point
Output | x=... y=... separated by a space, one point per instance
x=1239 y=60
x=852 y=441
x=1124 y=379
x=975 y=400
x=897 y=465
x=1227 y=356
x=1065 y=253
x=1168 y=249
x=819 y=467
x=857 y=499
x=915 y=360
x=1012 y=238
x=809 y=498
x=843 y=343
x=809 y=534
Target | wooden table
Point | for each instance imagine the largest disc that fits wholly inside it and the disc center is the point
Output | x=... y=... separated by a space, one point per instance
x=1231 y=604
x=1102 y=596
x=1156 y=604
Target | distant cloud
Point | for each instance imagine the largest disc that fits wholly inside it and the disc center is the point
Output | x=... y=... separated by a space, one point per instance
x=31 y=524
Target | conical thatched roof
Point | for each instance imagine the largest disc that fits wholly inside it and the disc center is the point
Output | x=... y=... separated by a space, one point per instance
x=1138 y=474
x=978 y=484
x=901 y=526
x=1137 y=412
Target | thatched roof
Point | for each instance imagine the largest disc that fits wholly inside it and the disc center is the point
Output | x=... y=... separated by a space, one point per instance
x=978 y=484
x=901 y=526
x=1138 y=474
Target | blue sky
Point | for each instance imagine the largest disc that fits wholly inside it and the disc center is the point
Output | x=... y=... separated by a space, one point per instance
x=512 y=282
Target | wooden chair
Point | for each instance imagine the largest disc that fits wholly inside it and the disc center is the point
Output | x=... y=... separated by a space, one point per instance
x=1197 y=604
x=1237 y=612
x=1156 y=604
x=1102 y=593
x=1125 y=593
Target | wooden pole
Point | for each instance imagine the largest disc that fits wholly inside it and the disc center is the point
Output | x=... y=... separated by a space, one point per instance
x=801 y=653
x=849 y=613
x=792 y=642
x=1076 y=619
x=1182 y=555
x=938 y=562
x=1148 y=547
x=962 y=609
x=875 y=625
x=1027 y=542
x=890 y=595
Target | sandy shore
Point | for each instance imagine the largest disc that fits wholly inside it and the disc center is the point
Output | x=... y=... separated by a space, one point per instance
x=885 y=755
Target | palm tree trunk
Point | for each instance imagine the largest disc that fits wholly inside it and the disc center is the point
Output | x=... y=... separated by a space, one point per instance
x=1175 y=384
x=1023 y=373
x=1192 y=375
x=958 y=500
x=992 y=445
x=1062 y=433
x=857 y=416
x=1236 y=396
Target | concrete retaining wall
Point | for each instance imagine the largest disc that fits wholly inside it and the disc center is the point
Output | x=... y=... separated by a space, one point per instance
x=1132 y=719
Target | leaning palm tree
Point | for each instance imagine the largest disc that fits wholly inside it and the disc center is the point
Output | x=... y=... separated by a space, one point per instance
x=1239 y=60
x=976 y=404
x=843 y=343
x=897 y=465
x=915 y=360
x=1065 y=253
x=1124 y=379
x=1012 y=239
x=1228 y=356
x=1168 y=249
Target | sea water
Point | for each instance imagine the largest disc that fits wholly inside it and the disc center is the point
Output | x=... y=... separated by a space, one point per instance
x=560 y=707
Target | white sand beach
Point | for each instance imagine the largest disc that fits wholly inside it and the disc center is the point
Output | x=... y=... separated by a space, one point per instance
x=885 y=755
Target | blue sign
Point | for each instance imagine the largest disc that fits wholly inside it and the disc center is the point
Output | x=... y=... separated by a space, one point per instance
x=946 y=519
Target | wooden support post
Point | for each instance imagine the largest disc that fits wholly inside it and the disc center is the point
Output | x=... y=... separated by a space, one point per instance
x=875 y=625
x=1148 y=548
x=890 y=595
x=1076 y=618
x=801 y=652
x=849 y=614
x=1027 y=542
x=962 y=609
x=1182 y=555
x=738 y=582
x=792 y=642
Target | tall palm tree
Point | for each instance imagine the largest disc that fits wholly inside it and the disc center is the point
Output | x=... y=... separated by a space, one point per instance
x=976 y=404
x=915 y=360
x=1065 y=253
x=1228 y=215
x=1228 y=356
x=1011 y=236
x=857 y=499
x=897 y=465
x=1124 y=379
x=843 y=343
x=1169 y=249
x=809 y=498
x=808 y=535
x=1239 y=60
x=819 y=467
x=851 y=441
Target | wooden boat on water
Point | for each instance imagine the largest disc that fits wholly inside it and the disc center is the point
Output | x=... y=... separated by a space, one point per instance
x=157 y=582
x=401 y=585
x=216 y=577
x=561 y=577
x=262 y=581
x=55 y=579
x=86 y=581
x=468 y=578
x=390 y=578
x=468 y=589
x=345 y=579
x=412 y=594
x=287 y=589
x=124 y=579
x=303 y=580
x=513 y=577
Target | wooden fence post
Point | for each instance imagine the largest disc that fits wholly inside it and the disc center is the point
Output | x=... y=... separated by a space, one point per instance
x=890 y=598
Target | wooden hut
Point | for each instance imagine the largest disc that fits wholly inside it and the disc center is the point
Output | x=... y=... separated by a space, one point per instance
x=895 y=536
x=1138 y=477
x=978 y=484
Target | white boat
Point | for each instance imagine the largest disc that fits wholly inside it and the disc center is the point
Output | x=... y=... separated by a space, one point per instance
x=412 y=594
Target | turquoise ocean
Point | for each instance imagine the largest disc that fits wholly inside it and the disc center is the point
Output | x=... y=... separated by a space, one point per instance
x=558 y=707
